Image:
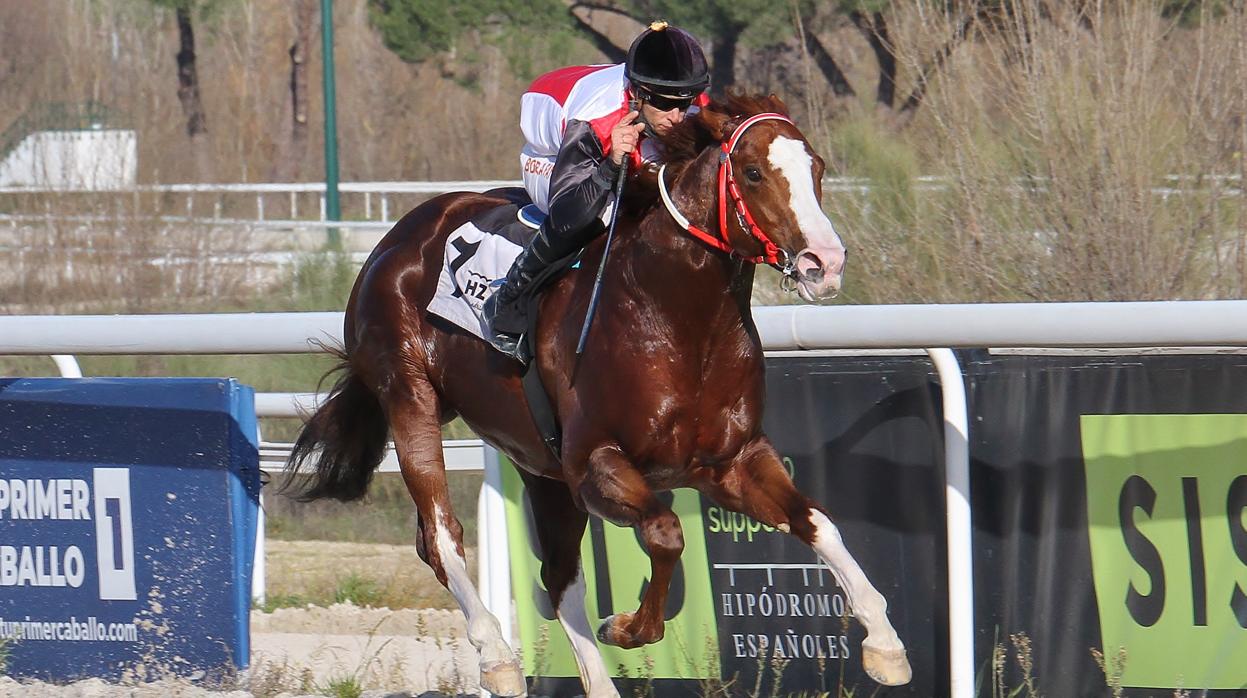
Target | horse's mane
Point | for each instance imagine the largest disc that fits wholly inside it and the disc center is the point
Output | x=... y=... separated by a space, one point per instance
x=713 y=124
x=709 y=127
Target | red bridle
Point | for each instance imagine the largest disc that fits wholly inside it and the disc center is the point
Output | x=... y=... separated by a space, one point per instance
x=771 y=253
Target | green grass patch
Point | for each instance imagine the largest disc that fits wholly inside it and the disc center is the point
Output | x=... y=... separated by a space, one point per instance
x=342 y=687
x=357 y=589
x=272 y=602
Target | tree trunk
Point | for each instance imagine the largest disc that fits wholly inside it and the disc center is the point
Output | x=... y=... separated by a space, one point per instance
x=934 y=65
x=613 y=52
x=305 y=14
x=875 y=28
x=188 y=78
x=723 y=60
x=840 y=85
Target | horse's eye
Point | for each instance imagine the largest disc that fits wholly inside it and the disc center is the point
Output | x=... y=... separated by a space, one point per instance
x=753 y=174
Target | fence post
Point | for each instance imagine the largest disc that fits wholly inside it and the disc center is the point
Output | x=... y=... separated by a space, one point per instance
x=493 y=556
x=959 y=527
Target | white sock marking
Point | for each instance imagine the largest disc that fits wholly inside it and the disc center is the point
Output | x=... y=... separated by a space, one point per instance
x=483 y=630
x=572 y=616
x=867 y=603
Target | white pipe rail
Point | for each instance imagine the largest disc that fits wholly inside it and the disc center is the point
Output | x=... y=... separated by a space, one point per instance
x=1137 y=324
x=996 y=325
x=1000 y=325
x=287 y=404
x=214 y=333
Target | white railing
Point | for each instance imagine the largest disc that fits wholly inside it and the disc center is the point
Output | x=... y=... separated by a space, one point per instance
x=784 y=328
x=376 y=197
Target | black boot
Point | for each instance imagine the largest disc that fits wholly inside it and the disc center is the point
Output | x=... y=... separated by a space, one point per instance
x=505 y=312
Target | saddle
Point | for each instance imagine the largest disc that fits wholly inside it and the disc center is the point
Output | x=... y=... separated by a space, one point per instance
x=518 y=221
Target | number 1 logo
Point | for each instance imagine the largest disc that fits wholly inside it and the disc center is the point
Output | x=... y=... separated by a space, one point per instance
x=114 y=534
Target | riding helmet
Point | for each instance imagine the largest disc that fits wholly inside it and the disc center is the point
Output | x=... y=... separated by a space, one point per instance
x=667 y=62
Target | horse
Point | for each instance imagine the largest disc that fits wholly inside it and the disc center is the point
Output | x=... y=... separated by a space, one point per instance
x=667 y=393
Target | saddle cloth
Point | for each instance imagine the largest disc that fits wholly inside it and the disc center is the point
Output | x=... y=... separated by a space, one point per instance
x=478 y=255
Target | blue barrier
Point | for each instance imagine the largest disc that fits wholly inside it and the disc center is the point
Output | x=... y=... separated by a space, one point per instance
x=127 y=526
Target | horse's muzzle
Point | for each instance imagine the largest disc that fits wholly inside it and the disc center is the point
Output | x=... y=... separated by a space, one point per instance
x=819 y=272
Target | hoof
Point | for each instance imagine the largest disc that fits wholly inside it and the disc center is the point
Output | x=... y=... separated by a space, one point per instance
x=504 y=679
x=615 y=631
x=888 y=667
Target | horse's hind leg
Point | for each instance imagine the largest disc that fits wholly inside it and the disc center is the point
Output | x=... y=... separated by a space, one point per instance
x=757 y=485
x=560 y=528
x=614 y=490
x=412 y=407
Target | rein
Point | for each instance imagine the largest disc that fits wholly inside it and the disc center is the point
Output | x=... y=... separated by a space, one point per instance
x=771 y=253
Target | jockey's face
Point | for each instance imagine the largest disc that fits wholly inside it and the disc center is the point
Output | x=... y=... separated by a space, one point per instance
x=661 y=120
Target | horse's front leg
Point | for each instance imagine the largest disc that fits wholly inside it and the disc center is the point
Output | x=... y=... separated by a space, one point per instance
x=560 y=528
x=757 y=485
x=614 y=490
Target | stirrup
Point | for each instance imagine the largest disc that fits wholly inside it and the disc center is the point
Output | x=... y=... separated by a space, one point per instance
x=511 y=345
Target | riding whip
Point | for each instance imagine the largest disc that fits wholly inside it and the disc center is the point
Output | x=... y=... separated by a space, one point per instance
x=597 y=281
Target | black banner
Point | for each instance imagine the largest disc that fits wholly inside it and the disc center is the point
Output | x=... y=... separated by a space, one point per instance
x=1109 y=494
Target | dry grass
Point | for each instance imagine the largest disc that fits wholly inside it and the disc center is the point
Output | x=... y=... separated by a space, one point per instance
x=323 y=573
x=1055 y=153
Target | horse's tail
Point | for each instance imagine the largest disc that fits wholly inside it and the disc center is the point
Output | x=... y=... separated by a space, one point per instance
x=345 y=438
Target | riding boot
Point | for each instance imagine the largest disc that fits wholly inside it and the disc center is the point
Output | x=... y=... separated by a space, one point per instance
x=505 y=312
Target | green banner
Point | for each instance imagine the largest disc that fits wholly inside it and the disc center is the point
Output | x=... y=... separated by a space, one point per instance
x=1166 y=496
x=690 y=647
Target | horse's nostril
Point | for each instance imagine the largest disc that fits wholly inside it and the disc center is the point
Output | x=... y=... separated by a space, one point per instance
x=810 y=267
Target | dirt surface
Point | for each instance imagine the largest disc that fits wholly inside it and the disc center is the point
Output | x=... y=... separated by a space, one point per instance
x=303 y=651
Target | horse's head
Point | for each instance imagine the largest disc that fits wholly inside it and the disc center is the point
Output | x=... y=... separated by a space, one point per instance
x=769 y=194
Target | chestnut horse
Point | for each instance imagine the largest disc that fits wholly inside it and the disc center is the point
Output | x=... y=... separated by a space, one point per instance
x=668 y=392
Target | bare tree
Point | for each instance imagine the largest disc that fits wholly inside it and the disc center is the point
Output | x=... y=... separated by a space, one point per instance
x=188 y=73
x=304 y=17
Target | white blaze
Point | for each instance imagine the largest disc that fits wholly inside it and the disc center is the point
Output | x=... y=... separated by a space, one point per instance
x=795 y=164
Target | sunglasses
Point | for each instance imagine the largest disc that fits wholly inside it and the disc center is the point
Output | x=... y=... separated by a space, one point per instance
x=668 y=103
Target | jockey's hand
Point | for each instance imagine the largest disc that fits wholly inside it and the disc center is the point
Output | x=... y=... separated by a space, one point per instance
x=625 y=136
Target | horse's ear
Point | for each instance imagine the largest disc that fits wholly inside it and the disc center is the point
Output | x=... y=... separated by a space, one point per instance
x=718 y=124
x=777 y=105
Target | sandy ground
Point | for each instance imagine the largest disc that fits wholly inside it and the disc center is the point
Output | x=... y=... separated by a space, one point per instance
x=301 y=651
x=410 y=650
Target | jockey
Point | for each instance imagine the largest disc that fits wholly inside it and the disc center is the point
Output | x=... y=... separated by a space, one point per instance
x=580 y=123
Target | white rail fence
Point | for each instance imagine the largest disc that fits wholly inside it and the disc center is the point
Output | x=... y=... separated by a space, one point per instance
x=372 y=200
x=786 y=328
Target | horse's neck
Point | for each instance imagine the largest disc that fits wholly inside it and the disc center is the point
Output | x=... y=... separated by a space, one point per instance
x=681 y=273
